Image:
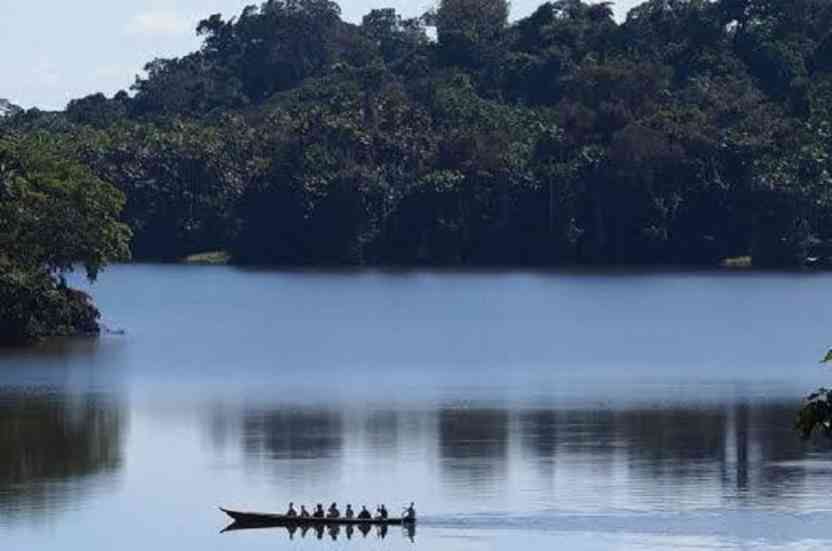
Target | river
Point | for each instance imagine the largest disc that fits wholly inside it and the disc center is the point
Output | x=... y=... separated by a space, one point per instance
x=628 y=410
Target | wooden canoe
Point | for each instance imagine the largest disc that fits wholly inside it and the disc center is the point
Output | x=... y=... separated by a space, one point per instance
x=268 y=519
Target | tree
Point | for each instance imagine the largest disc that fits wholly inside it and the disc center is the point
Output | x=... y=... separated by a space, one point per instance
x=54 y=214
x=8 y=109
x=182 y=181
x=272 y=47
x=97 y=110
x=470 y=30
x=393 y=36
x=815 y=416
x=692 y=132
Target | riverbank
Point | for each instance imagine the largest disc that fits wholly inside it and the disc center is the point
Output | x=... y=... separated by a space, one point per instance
x=741 y=263
x=34 y=306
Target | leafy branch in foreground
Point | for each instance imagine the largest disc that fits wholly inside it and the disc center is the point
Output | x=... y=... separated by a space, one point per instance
x=816 y=413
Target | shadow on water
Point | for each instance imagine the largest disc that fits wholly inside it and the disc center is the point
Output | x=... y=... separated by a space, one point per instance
x=55 y=450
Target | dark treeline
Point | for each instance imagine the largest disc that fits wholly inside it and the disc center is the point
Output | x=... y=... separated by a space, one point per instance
x=691 y=132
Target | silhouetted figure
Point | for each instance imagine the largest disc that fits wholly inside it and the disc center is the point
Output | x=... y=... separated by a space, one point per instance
x=291 y=513
x=349 y=514
x=364 y=514
x=319 y=512
x=333 y=511
x=382 y=512
x=410 y=512
x=303 y=512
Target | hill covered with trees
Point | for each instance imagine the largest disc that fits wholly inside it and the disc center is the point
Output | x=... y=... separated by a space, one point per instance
x=691 y=132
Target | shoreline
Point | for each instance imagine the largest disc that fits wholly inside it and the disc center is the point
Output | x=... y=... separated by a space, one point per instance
x=741 y=264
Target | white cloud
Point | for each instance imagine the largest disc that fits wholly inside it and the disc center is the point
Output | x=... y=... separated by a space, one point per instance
x=160 y=23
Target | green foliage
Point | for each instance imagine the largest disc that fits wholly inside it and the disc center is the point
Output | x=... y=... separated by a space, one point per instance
x=692 y=132
x=36 y=305
x=98 y=111
x=469 y=31
x=54 y=215
x=395 y=38
x=181 y=180
x=816 y=414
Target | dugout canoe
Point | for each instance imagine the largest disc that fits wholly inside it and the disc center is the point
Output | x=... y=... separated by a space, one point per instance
x=269 y=519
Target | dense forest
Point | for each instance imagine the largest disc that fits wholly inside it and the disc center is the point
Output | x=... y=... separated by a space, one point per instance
x=691 y=132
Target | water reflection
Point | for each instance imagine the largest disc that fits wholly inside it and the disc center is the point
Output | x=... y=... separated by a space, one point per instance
x=333 y=532
x=294 y=443
x=293 y=434
x=55 y=449
x=382 y=431
x=494 y=458
x=473 y=445
x=734 y=452
x=486 y=399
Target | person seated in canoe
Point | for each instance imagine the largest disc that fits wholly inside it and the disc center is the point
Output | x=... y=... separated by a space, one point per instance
x=291 y=513
x=364 y=514
x=319 y=512
x=333 y=511
x=303 y=512
x=410 y=512
x=381 y=512
x=349 y=514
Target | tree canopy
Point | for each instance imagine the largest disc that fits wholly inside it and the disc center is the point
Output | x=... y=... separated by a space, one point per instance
x=691 y=132
x=54 y=214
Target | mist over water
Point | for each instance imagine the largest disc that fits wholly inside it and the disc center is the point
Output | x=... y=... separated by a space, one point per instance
x=592 y=411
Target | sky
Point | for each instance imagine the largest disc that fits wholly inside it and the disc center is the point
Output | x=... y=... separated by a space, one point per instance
x=54 y=51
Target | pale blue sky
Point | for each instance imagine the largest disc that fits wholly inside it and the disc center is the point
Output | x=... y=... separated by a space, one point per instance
x=51 y=52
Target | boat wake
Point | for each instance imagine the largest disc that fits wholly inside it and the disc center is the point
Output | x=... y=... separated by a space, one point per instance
x=769 y=526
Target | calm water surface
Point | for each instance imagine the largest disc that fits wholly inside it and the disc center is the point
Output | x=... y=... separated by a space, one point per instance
x=572 y=411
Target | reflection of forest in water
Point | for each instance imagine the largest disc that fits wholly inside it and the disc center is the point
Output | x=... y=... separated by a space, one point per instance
x=742 y=450
x=55 y=449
